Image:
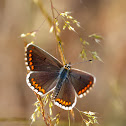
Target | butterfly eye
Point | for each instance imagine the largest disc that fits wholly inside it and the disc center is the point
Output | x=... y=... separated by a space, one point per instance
x=65 y=65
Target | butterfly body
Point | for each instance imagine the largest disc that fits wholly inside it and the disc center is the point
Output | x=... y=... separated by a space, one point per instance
x=47 y=74
x=63 y=75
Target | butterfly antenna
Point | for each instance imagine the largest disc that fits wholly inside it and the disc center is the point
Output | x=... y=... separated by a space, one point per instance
x=62 y=56
x=82 y=62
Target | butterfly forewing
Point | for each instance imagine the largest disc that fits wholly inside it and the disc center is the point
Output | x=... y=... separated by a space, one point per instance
x=66 y=98
x=38 y=59
x=81 y=81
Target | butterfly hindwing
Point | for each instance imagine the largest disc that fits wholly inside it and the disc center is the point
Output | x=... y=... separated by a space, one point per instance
x=38 y=59
x=81 y=81
x=66 y=98
x=41 y=82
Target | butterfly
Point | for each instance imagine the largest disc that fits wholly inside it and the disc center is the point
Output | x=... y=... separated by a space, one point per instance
x=47 y=74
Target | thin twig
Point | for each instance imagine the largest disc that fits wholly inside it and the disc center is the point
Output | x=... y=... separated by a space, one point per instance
x=44 y=12
x=57 y=36
x=69 y=117
x=42 y=111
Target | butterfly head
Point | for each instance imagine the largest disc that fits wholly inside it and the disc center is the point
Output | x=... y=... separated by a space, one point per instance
x=67 y=66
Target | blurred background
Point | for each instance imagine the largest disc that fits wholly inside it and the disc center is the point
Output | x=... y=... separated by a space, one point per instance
x=103 y=17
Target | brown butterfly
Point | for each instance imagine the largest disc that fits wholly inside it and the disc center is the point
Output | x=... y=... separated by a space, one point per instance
x=48 y=74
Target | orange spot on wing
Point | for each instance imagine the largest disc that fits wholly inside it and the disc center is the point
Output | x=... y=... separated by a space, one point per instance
x=32 y=79
x=32 y=67
x=30 y=51
x=66 y=103
x=30 y=63
x=79 y=92
x=43 y=91
x=83 y=90
x=36 y=85
x=30 y=59
x=88 y=85
x=33 y=83
x=30 y=55
x=39 y=88
x=90 y=82
x=61 y=101
x=33 y=47
x=58 y=99
x=69 y=103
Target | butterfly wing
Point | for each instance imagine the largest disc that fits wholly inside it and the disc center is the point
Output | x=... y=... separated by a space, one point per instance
x=38 y=59
x=81 y=81
x=43 y=67
x=41 y=82
x=66 y=98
